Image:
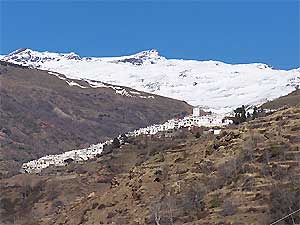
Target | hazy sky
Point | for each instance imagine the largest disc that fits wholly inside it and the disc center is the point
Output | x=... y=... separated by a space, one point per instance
x=231 y=31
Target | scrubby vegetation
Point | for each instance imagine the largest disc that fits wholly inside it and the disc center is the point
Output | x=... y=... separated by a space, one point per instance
x=248 y=174
x=41 y=114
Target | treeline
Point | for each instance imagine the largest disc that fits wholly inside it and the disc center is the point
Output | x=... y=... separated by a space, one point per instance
x=241 y=115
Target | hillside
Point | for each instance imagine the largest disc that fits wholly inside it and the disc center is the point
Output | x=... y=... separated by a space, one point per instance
x=217 y=86
x=248 y=174
x=47 y=113
x=292 y=99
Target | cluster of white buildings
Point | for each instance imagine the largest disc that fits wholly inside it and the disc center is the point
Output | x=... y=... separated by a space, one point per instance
x=64 y=158
x=212 y=120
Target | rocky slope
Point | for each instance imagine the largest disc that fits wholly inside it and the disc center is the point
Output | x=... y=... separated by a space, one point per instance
x=47 y=113
x=218 y=86
x=248 y=174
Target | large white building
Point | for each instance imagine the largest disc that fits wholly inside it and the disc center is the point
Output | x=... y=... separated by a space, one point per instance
x=196 y=111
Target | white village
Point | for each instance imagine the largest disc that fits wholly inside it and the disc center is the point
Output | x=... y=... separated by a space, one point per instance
x=213 y=121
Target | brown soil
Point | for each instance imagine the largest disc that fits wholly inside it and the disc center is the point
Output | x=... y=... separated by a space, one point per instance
x=41 y=114
x=249 y=174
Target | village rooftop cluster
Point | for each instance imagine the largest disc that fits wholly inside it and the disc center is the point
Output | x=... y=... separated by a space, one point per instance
x=194 y=120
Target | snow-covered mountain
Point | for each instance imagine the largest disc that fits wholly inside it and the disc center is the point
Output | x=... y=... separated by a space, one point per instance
x=216 y=86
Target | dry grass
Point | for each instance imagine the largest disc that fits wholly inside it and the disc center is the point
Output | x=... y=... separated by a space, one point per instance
x=249 y=174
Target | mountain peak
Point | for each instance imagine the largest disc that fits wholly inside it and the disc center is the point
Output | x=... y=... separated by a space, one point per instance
x=72 y=55
x=145 y=57
x=151 y=52
x=28 y=56
x=18 y=51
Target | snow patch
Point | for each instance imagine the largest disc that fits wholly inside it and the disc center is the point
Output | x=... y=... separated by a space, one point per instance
x=218 y=86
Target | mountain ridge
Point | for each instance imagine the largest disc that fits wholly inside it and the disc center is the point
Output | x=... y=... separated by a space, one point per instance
x=216 y=86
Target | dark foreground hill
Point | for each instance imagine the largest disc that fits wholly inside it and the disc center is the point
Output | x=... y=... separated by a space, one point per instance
x=41 y=114
x=249 y=174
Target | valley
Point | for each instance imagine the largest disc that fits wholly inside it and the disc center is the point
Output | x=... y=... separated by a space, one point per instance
x=42 y=114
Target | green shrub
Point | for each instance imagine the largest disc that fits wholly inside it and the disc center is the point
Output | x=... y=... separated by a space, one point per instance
x=215 y=202
x=276 y=150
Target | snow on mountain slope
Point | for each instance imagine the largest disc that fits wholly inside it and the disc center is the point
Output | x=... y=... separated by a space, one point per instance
x=216 y=86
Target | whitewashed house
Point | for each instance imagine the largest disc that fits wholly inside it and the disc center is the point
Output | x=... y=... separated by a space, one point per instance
x=194 y=120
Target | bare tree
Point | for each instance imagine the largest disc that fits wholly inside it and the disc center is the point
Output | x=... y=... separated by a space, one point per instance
x=170 y=204
x=156 y=212
x=284 y=200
